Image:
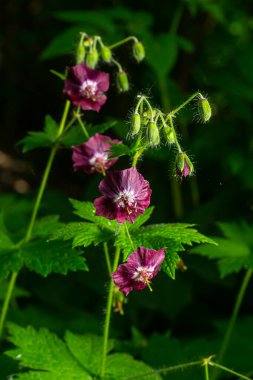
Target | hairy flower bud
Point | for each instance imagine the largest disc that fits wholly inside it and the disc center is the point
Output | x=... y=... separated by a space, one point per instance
x=136 y=124
x=106 y=54
x=138 y=51
x=80 y=53
x=153 y=135
x=169 y=135
x=204 y=109
x=184 y=166
x=92 y=59
x=122 y=81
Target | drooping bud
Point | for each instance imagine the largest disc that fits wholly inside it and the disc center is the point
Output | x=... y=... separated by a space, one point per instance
x=184 y=166
x=136 y=124
x=106 y=54
x=204 y=109
x=122 y=81
x=138 y=51
x=169 y=135
x=153 y=135
x=92 y=59
x=80 y=53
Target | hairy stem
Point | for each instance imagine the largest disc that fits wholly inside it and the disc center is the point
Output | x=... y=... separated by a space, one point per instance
x=79 y=119
x=233 y=319
x=235 y=313
x=167 y=370
x=229 y=370
x=107 y=258
x=7 y=301
x=108 y=314
x=123 y=42
x=34 y=215
x=128 y=235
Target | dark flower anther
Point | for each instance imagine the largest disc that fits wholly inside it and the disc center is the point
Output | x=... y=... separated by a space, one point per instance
x=93 y=155
x=141 y=267
x=85 y=87
x=125 y=195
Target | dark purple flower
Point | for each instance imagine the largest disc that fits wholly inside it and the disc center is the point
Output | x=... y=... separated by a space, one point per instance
x=141 y=266
x=85 y=87
x=126 y=194
x=93 y=155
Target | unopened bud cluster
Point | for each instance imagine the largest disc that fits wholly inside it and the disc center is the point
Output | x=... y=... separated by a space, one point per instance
x=150 y=125
x=91 y=49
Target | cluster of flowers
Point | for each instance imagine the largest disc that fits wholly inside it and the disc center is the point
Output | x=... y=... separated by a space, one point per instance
x=125 y=194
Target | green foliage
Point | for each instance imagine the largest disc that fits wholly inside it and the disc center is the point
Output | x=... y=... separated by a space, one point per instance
x=118 y=150
x=171 y=236
x=234 y=252
x=75 y=135
x=41 y=139
x=78 y=357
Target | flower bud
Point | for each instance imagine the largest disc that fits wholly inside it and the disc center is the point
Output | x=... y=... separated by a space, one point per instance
x=92 y=59
x=153 y=135
x=138 y=51
x=136 y=124
x=122 y=81
x=106 y=54
x=184 y=166
x=169 y=135
x=204 y=109
x=80 y=53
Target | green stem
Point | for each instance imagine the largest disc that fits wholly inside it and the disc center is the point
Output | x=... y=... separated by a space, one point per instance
x=235 y=313
x=229 y=370
x=108 y=314
x=34 y=215
x=122 y=42
x=206 y=372
x=82 y=126
x=174 y=134
x=129 y=236
x=185 y=103
x=107 y=258
x=167 y=370
x=7 y=301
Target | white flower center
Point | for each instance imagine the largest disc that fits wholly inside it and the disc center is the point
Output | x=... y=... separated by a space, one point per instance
x=89 y=88
x=143 y=274
x=98 y=159
x=125 y=198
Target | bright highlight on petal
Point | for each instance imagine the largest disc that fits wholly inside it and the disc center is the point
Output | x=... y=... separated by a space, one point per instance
x=85 y=87
x=125 y=195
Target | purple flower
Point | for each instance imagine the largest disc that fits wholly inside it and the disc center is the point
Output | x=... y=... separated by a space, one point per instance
x=184 y=166
x=85 y=87
x=141 y=266
x=93 y=155
x=125 y=195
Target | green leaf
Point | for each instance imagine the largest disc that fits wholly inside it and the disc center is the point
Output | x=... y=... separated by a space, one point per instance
x=233 y=253
x=45 y=257
x=124 y=366
x=162 y=52
x=170 y=264
x=87 y=350
x=45 y=227
x=86 y=210
x=141 y=219
x=43 y=351
x=10 y=261
x=118 y=150
x=75 y=135
x=83 y=234
x=171 y=236
x=41 y=139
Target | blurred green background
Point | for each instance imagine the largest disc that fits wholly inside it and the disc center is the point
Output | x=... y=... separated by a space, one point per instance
x=190 y=45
